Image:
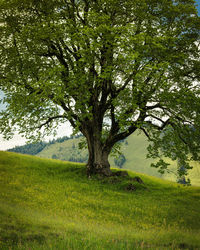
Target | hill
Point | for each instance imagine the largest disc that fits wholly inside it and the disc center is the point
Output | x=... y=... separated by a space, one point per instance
x=134 y=151
x=67 y=150
x=35 y=148
x=51 y=204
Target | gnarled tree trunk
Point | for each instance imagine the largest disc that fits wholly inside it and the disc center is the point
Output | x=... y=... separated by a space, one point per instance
x=98 y=162
x=98 y=155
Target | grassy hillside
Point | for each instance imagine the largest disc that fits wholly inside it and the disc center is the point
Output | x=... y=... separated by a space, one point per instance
x=193 y=174
x=50 y=204
x=135 y=153
x=67 y=150
x=134 y=150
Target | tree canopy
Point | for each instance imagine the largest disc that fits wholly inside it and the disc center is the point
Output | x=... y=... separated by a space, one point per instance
x=109 y=67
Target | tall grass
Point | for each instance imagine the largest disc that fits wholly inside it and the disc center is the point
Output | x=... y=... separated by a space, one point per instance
x=49 y=204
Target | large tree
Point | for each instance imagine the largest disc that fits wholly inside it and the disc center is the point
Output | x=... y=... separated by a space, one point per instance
x=109 y=67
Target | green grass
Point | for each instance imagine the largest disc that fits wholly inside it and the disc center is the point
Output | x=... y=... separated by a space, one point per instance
x=50 y=204
x=135 y=153
x=193 y=174
x=64 y=150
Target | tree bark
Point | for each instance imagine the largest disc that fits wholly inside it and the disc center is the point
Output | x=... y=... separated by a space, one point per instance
x=98 y=155
x=98 y=163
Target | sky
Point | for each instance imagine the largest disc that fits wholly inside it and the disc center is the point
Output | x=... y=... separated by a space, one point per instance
x=198 y=6
x=63 y=130
x=17 y=140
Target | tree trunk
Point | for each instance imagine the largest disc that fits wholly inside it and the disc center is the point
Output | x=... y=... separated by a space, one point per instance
x=98 y=163
x=98 y=157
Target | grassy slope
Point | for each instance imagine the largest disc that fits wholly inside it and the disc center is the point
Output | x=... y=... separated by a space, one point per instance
x=135 y=153
x=193 y=174
x=49 y=204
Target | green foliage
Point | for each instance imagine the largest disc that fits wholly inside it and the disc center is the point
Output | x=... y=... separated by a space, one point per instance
x=54 y=156
x=169 y=145
x=32 y=148
x=49 y=204
x=120 y=161
x=109 y=67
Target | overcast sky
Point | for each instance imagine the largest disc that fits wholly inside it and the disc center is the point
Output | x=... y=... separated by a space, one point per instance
x=17 y=140
x=62 y=131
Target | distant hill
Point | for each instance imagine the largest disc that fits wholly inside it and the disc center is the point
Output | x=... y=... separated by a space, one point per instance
x=68 y=150
x=35 y=148
x=133 y=149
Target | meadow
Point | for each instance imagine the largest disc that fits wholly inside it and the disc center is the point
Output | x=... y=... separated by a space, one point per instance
x=50 y=204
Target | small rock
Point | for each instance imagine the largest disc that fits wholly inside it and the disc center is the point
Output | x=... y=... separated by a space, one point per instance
x=121 y=173
x=130 y=187
x=183 y=246
x=138 y=179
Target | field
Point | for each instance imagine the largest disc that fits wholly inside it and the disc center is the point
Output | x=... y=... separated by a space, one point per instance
x=50 y=204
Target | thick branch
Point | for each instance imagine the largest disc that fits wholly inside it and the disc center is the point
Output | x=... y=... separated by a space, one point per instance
x=156 y=126
x=111 y=141
x=157 y=105
x=50 y=119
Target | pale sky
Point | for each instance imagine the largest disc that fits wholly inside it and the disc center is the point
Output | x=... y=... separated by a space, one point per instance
x=17 y=140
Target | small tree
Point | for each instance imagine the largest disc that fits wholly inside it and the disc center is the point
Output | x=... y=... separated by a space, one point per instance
x=120 y=160
x=54 y=156
x=182 y=172
x=109 y=67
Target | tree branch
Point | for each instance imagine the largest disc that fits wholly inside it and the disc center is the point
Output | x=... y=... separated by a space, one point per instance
x=50 y=119
x=157 y=105
x=164 y=124
x=146 y=133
